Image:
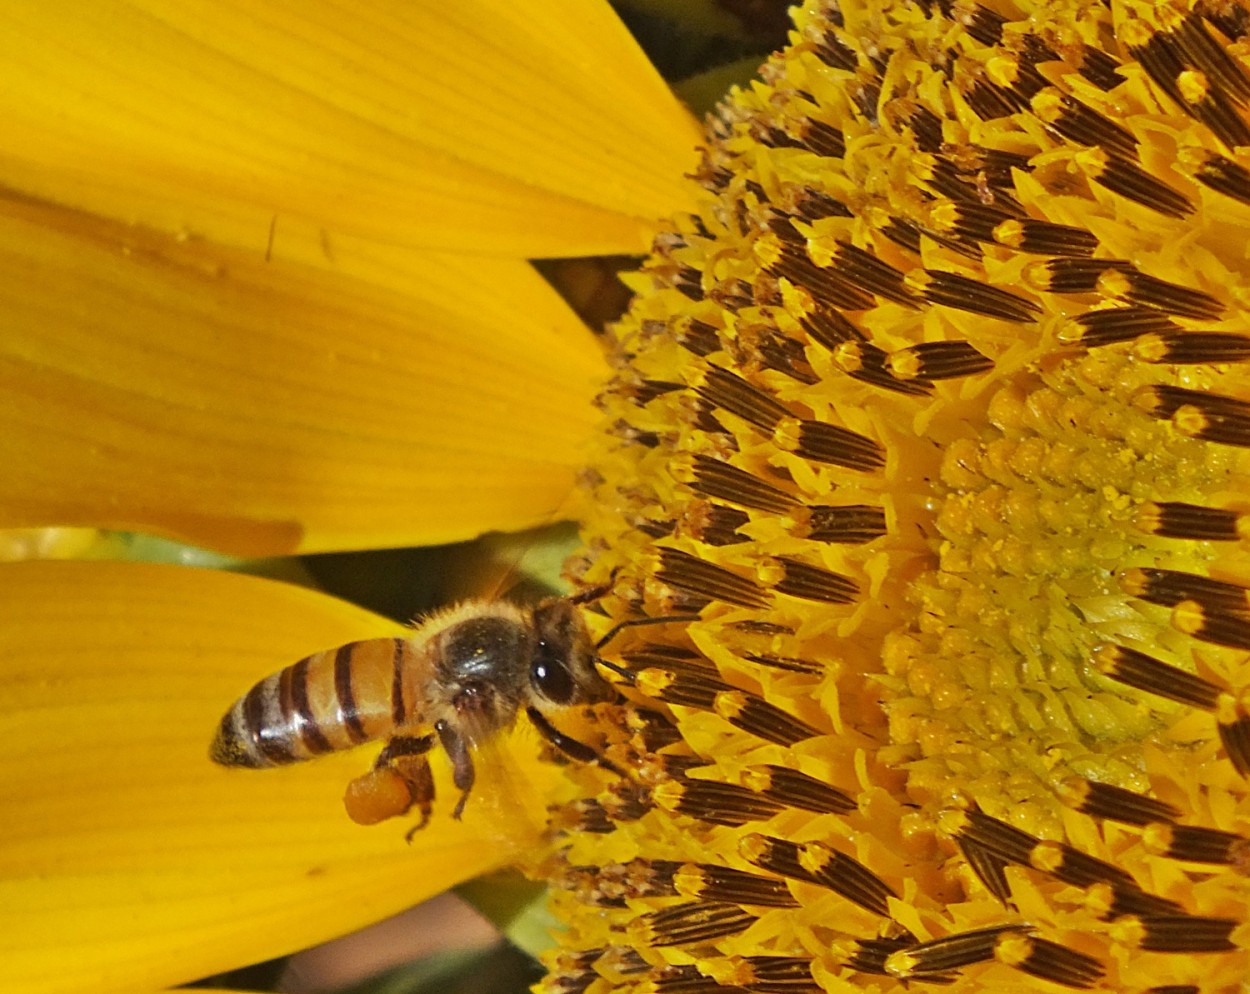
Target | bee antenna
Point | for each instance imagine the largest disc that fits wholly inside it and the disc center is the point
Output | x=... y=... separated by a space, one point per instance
x=627 y=675
x=663 y=619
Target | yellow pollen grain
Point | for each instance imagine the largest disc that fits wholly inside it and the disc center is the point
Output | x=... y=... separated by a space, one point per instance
x=1150 y=348
x=729 y=704
x=1129 y=931
x=1048 y=105
x=1193 y=86
x=653 y=682
x=1190 y=420
x=1009 y=233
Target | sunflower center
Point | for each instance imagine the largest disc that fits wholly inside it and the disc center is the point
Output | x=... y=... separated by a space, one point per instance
x=932 y=415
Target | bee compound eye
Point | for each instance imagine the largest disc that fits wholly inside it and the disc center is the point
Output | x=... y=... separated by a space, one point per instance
x=551 y=677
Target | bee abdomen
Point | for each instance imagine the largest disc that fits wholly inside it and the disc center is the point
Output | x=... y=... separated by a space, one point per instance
x=326 y=702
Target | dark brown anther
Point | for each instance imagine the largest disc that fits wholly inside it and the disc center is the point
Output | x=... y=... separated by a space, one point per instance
x=813 y=205
x=905 y=234
x=1082 y=125
x=780 y=975
x=732 y=393
x=1200 y=77
x=868 y=364
x=646 y=391
x=1049 y=960
x=654 y=731
x=697 y=337
x=1234 y=731
x=1191 y=347
x=723 y=883
x=966 y=294
x=1057 y=859
x=951 y=952
x=786 y=356
x=707 y=580
x=1184 y=933
x=1128 y=901
x=684 y=979
x=838 y=446
x=1132 y=182
x=937 y=361
x=1170 y=587
x=1172 y=298
x=926 y=126
x=1176 y=519
x=1073 y=275
x=716 y=478
x=848 y=877
x=719 y=803
x=798 y=790
x=990 y=101
x=870 y=955
x=1197 y=414
x=989 y=867
x=758 y=717
x=718 y=525
x=1208 y=54
x=1103 y=800
x=985 y=25
x=1129 y=666
x=1225 y=176
x=1121 y=324
x=866 y=271
x=814 y=583
x=835 y=53
x=823 y=283
x=823 y=139
x=787 y=663
x=689 y=282
x=1197 y=844
x=830 y=328
x=685 y=689
x=1066 y=863
x=849 y=524
x=1100 y=68
x=1045 y=238
x=776 y=855
x=590 y=816
x=699 y=921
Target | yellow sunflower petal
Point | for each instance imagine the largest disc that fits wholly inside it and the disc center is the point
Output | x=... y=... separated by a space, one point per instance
x=128 y=860
x=262 y=407
x=443 y=125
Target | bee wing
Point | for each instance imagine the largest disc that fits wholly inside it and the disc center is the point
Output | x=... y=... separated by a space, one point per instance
x=507 y=801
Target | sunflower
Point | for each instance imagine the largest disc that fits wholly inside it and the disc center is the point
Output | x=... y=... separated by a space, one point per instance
x=922 y=449
x=266 y=292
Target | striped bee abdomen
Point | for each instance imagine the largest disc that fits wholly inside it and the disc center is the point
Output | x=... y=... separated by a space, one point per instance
x=329 y=701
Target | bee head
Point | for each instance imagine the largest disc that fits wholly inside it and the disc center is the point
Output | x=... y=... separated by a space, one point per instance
x=562 y=668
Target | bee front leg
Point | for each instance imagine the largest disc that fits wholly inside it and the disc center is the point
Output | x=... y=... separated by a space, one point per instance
x=462 y=772
x=567 y=744
x=399 y=779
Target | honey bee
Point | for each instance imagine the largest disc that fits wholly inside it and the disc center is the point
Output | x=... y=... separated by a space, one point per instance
x=460 y=678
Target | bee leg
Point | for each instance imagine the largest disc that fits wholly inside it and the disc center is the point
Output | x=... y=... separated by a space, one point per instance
x=594 y=593
x=568 y=745
x=462 y=772
x=399 y=779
